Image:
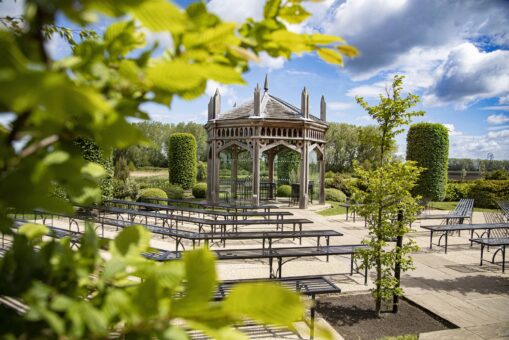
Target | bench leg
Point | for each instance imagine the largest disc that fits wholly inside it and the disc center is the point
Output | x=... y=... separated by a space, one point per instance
x=312 y=320
x=482 y=252
x=431 y=240
x=503 y=259
x=351 y=264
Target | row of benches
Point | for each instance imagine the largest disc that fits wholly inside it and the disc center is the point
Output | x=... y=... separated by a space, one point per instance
x=310 y=286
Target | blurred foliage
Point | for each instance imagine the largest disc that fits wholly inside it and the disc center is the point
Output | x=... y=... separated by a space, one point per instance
x=91 y=95
x=334 y=195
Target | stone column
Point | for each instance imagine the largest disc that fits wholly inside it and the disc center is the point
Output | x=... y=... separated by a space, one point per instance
x=304 y=167
x=256 y=172
x=235 y=166
x=322 y=180
x=217 y=163
x=210 y=173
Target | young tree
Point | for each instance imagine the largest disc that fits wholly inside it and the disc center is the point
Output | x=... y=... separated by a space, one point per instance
x=121 y=169
x=92 y=94
x=387 y=204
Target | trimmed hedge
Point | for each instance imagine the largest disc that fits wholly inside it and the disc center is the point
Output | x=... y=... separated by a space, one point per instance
x=428 y=146
x=151 y=192
x=200 y=190
x=334 y=195
x=182 y=159
x=284 y=191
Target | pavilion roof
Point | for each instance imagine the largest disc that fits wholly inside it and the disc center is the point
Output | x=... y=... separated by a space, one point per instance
x=271 y=107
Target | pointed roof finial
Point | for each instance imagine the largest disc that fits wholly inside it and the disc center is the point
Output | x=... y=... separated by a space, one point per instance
x=235 y=104
x=266 y=84
x=257 y=88
x=217 y=92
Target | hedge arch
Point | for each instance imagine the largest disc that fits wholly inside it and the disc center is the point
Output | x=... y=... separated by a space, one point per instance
x=182 y=159
x=428 y=145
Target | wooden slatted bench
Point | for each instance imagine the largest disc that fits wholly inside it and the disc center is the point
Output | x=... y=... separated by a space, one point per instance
x=173 y=220
x=504 y=206
x=306 y=285
x=500 y=242
x=445 y=230
x=217 y=206
x=272 y=254
x=462 y=211
x=215 y=214
x=267 y=237
x=54 y=232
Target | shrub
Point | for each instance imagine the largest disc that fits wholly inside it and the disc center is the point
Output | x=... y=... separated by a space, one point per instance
x=456 y=191
x=131 y=166
x=284 y=191
x=428 y=146
x=343 y=182
x=486 y=193
x=175 y=191
x=151 y=193
x=201 y=171
x=497 y=175
x=125 y=189
x=334 y=195
x=200 y=190
x=182 y=159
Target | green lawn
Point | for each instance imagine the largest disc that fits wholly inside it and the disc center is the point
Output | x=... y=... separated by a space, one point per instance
x=334 y=210
x=451 y=205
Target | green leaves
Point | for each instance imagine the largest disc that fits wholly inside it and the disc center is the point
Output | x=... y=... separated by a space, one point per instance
x=130 y=241
x=331 y=56
x=201 y=282
x=263 y=301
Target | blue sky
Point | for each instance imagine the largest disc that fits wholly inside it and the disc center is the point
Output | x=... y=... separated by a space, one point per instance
x=454 y=54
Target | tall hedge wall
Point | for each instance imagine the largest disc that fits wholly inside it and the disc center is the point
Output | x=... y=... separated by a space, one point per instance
x=182 y=159
x=428 y=145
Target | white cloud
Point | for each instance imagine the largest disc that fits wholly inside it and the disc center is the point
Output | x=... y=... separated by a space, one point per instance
x=228 y=94
x=367 y=91
x=269 y=62
x=235 y=10
x=471 y=146
x=340 y=106
x=496 y=108
x=452 y=130
x=497 y=119
x=468 y=75
x=386 y=30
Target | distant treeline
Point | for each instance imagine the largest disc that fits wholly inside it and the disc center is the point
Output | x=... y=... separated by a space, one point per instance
x=156 y=154
x=346 y=143
x=481 y=165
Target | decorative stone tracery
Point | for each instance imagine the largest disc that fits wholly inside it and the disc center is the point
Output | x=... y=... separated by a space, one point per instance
x=265 y=125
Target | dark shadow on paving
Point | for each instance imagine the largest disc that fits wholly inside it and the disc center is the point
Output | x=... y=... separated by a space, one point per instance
x=353 y=316
x=482 y=284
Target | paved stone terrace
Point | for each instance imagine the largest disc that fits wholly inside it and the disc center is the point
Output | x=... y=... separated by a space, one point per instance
x=452 y=285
